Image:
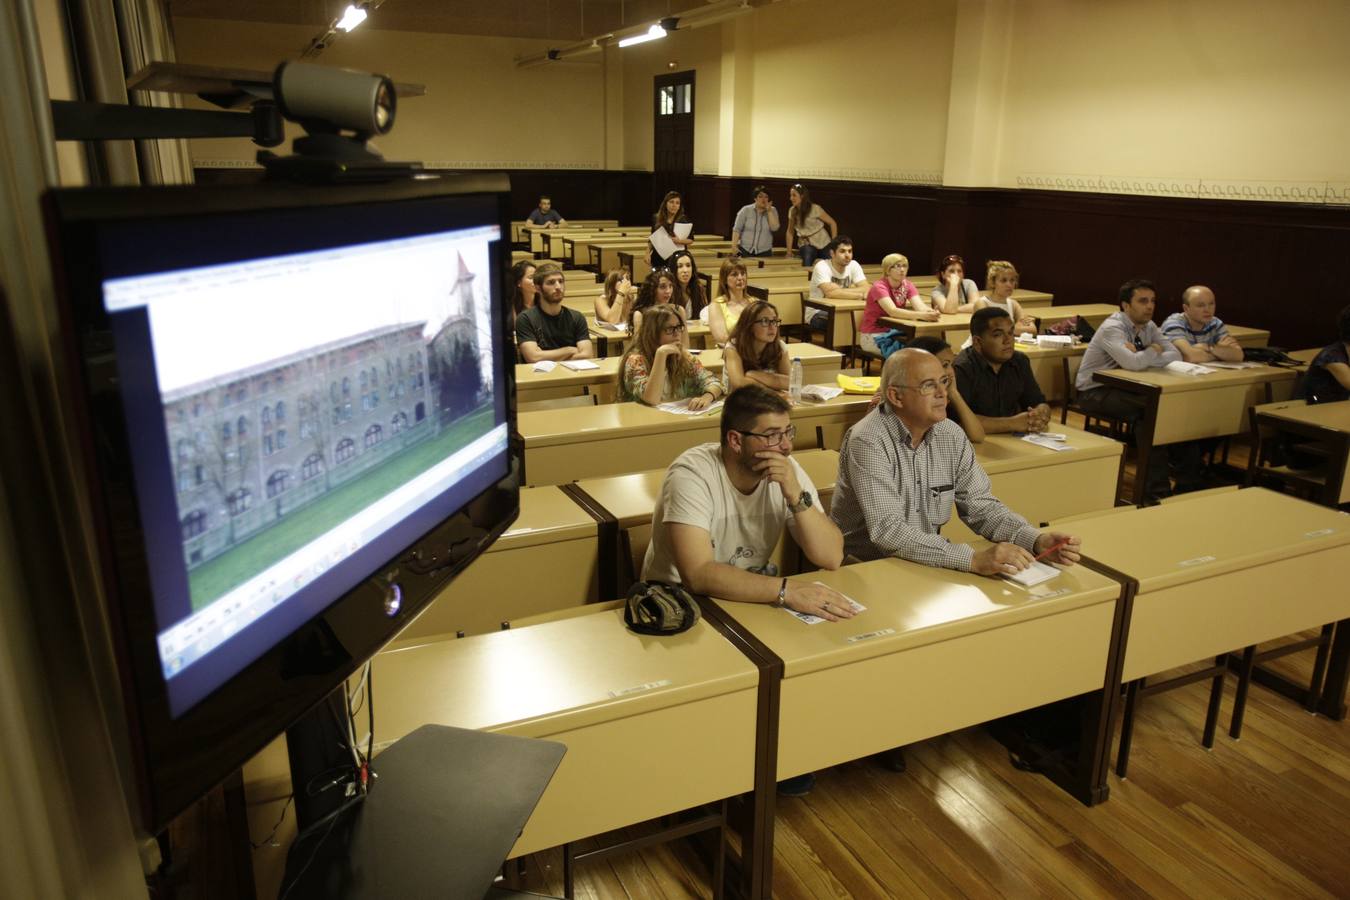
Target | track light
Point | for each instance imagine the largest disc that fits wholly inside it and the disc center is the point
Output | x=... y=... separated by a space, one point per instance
x=354 y=16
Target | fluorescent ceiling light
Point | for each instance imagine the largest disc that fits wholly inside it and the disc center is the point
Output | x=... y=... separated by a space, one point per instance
x=354 y=16
x=656 y=31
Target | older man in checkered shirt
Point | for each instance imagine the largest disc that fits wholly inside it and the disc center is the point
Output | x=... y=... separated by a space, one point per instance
x=903 y=467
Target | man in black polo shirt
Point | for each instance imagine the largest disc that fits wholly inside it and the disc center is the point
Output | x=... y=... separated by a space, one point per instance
x=548 y=330
x=996 y=380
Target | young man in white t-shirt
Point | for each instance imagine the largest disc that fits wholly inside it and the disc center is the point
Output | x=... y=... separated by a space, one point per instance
x=723 y=507
x=837 y=278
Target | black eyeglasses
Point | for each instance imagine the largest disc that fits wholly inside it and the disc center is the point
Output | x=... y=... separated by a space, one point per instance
x=673 y=329
x=773 y=437
x=769 y=323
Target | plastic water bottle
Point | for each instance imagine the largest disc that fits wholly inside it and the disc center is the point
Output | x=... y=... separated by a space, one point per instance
x=795 y=381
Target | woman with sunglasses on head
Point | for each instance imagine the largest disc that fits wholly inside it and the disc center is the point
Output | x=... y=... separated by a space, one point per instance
x=668 y=214
x=657 y=288
x=657 y=368
x=808 y=221
x=999 y=283
x=954 y=292
x=616 y=302
x=689 y=291
x=731 y=300
x=756 y=354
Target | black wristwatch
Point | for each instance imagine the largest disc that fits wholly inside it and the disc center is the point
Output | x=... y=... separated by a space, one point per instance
x=803 y=502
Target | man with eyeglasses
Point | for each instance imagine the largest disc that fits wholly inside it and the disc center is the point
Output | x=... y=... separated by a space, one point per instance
x=1129 y=339
x=905 y=465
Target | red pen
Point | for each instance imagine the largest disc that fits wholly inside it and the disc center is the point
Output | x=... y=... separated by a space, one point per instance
x=1063 y=543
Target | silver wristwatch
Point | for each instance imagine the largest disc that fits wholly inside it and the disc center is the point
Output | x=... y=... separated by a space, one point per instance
x=803 y=502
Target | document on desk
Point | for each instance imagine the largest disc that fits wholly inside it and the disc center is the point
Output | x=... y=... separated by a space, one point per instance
x=1233 y=365
x=681 y=408
x=662 y=243
x=580 y=365
x=1034 y=574
x=621 y=327
x=819 y=393
x=545 y=365
x=809 y=619
x=1177 y=367
x=1049 y=441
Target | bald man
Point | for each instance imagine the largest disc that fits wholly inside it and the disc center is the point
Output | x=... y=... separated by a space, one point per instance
x=1197 y=333
x=904 y=465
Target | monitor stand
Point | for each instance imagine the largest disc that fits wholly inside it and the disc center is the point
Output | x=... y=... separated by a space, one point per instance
x=446 y=808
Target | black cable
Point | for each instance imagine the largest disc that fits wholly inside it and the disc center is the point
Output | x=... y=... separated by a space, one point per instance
x=314 y=854
x=281 y=818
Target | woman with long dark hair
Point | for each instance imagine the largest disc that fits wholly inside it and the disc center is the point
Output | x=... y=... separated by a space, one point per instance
x=657 y=368
x=756 y=354
x=657 y=288
x=731 y=300
x=807 y=222
x=667 y=215
x=689 y=291
x=612 y=307
x=523 y=288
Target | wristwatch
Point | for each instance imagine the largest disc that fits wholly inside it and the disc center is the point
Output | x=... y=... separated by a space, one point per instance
x=803 y=502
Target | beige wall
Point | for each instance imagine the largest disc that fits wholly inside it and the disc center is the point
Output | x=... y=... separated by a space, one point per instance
x=1150 y=96
x=480 y=110
x=699 y=50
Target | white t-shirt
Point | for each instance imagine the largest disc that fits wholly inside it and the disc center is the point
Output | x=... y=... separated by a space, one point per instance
x=823 y=271
x=744 y=527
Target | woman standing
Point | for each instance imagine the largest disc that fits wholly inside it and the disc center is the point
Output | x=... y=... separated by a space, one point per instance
x=667 y=214
x=1000 y=281
x=730 y=302
x=894 y=295
x=954 y=292
x=657 y=368
x=808 y=221
x=756 y=354
x=689 y=291
x=657 y=288
x=523 y=288
x=612 y=307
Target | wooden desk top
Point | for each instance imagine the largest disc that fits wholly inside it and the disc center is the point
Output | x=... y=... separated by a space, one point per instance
x=1007 y=452
x=841 y=305
x=1331 y=416
x=1220 y=378
x=546 y=515
x=561 y=376
x=1087 y=310
x=1178 y=543
x=945 y=322
x=546 y=428
x=553 y=677
x=1034 y=352
x=632 y=498
x=910 y=606
x=1249 y=337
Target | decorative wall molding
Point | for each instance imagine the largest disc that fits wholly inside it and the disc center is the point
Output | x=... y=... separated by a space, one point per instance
x=1328 y=193
x=541 y=164
x=225 y=164
x=845 y=173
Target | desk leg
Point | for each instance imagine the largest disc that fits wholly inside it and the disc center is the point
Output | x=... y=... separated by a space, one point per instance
x=1332 y=704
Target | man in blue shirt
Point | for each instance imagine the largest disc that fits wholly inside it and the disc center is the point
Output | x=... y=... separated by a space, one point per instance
x=546 y=215
x=1128 y=340
x=1198 y=334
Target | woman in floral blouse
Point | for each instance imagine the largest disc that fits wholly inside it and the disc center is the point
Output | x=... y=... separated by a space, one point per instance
x=657 y=368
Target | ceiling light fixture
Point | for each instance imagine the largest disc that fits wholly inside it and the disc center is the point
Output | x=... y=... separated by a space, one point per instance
x=651 y=34
x=354 y=16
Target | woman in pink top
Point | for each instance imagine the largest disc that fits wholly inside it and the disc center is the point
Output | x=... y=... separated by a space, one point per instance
x=892 y=295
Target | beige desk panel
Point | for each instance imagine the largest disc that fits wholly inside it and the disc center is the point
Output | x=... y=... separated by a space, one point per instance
x=587 y=682
x=1249 y=337
x=1189 y=622
x=1094 y=313
x=1329 y=416
x=705 y=751
x=1045 y=493
x=853 y=710
x=786 y=298
x=562 y=463
x=490 y=591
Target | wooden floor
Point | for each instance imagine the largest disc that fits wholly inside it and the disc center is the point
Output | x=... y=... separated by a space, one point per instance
x=1267 y=816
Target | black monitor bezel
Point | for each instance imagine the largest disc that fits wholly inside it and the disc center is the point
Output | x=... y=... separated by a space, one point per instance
x=176 y=761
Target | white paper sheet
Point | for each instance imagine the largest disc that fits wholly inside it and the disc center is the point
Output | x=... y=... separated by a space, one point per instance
x=681 y=408
x=545 y=365
x=816 y=620
x=1034 y=574
x=1048 y=441
x=580 y=365
x=662 y=243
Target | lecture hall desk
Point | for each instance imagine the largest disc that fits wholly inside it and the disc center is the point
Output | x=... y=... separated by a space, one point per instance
x=1042 y=485
x=1226 y=571
x=614 y=438
x=535 y=234
x=1191 y=407
x=935 y=651
x=653 y=725
x=552 y=534
x=819 y=366
x=639 y=260
x=1327 y=424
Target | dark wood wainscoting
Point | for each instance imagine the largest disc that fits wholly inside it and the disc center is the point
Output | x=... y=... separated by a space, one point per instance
x=1271 y=265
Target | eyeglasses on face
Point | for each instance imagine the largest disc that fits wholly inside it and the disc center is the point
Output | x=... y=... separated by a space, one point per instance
x=768 y=322
x=672 y=330
x=774 y=437
x=929 y=388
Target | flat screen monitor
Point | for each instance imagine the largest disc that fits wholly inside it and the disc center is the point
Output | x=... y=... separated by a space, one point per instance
x=295 y=404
